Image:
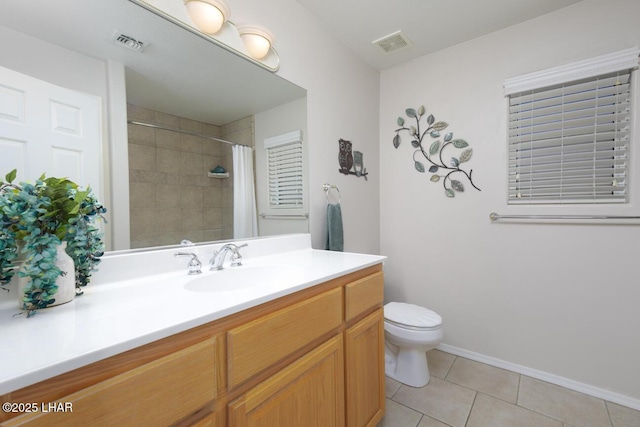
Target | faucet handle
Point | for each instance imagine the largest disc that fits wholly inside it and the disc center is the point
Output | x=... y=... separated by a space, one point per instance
x=195 y=266
x=236 y=257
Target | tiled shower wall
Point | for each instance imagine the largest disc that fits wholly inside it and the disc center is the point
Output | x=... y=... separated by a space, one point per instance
x=171 y=196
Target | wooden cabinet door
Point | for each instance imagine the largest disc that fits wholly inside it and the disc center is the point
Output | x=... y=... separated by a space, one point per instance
x=309 y=393
x=364 y=367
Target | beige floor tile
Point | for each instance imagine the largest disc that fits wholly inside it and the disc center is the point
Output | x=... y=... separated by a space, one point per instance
x=391 y=386
x=399 y=416
x=489 y=411
x=621 y=416
x=442 y=400
x=439 y=362
x=487 y=379
x=431 y=422
x=569 y=406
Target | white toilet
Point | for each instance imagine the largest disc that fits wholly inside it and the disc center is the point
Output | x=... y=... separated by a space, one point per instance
x=410 y=331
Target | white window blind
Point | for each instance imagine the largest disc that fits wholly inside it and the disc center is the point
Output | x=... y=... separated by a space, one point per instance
x=569 y=142
x=285 y=168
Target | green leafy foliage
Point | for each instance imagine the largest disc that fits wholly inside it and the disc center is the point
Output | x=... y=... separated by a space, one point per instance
x=41 y=216
x=11 y=176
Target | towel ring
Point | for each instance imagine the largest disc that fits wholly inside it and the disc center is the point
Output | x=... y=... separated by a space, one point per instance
x=327 y=188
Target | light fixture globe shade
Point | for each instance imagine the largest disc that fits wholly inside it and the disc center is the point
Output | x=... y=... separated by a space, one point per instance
x=207 y=15
x=256 y=40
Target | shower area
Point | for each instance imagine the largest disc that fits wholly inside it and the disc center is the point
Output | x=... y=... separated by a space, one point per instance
x=173 y=195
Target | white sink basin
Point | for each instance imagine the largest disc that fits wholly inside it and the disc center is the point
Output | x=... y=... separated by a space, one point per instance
x=244 y=277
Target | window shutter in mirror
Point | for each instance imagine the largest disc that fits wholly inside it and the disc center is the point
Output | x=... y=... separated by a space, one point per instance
x=285 y=168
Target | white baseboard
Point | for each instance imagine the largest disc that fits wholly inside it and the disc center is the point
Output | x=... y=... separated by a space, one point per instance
x=544 y=376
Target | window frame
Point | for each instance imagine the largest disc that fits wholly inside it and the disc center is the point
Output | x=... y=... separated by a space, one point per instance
x=294 y=140
x=614 y=62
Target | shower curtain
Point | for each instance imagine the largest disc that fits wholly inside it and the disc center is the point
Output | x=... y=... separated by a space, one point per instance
x=245 y=218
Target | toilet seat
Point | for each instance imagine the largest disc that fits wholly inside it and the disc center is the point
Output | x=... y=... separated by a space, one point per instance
x=411 y=316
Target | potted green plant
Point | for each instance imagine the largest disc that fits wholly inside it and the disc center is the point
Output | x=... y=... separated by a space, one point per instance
x=36 y=220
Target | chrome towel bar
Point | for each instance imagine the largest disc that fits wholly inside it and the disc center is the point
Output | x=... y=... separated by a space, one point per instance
x=278 y=216
x=493 y=216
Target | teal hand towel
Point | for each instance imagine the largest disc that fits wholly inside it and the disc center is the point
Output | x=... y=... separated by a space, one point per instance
x=335 y=237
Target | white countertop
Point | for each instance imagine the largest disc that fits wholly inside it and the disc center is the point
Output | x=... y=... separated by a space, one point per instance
x=117 y=315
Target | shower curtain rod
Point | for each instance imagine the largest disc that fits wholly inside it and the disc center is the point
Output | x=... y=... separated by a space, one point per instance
x=150 y=125
x=493 y=216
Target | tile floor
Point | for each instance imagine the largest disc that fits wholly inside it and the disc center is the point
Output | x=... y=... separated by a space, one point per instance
x=465 y=393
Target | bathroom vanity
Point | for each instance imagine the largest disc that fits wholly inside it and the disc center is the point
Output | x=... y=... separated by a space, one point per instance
x=303 y=349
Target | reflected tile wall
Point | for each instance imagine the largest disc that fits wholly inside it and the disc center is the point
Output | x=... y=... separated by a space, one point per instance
x=171 y=196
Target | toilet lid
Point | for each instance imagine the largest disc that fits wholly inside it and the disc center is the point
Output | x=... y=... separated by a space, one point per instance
x=411 y=315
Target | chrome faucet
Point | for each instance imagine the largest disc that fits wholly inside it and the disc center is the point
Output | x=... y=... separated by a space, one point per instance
x=218 y=257
x=195 y=266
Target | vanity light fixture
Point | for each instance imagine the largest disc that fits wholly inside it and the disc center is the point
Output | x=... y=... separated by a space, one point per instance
x=256 y=40
x=210 y=19
x=208 y=15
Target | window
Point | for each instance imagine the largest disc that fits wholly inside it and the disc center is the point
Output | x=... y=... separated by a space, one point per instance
x=285 y=168
x=569 y=132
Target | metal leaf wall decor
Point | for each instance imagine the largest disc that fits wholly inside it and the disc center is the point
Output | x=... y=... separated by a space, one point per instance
x=434 y=152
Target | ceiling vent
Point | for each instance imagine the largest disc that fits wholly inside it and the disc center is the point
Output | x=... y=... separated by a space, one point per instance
x=393 y=42
x=129 y=42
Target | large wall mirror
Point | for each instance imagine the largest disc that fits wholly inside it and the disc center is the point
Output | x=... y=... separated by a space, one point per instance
x=163 y=110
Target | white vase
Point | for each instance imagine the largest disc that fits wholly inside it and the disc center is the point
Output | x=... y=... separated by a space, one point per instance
x=66 y=282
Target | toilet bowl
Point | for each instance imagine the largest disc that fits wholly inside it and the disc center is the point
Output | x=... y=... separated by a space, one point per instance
x=410 y=331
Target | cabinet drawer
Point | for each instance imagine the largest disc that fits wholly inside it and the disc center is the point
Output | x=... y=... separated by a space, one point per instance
x=159 y=393
x=363 y=294
x=255 y=346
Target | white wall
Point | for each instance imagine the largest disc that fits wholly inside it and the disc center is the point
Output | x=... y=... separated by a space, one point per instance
x=342 y=102
x=560 y=298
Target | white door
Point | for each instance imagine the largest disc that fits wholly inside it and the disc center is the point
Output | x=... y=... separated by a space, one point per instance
x=48 y=129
